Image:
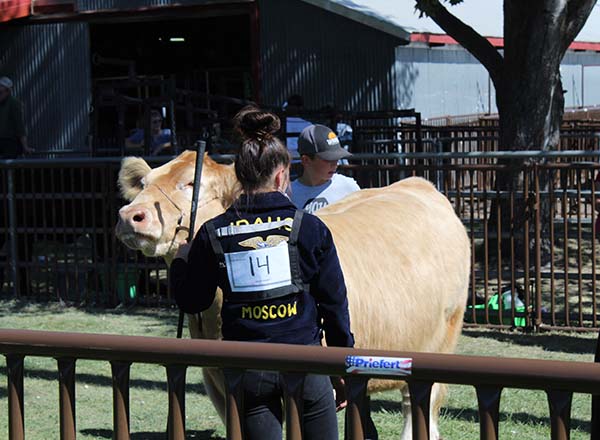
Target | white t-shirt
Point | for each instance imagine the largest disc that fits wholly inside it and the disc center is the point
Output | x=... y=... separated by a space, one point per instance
x=313 y=198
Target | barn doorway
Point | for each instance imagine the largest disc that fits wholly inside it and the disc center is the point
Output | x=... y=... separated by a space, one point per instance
x=170 y=65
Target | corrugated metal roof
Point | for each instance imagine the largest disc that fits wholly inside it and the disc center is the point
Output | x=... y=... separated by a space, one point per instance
x=363 y=14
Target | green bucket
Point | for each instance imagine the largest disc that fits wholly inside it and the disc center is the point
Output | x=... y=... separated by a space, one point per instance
x=126 y=285
x=493 y=307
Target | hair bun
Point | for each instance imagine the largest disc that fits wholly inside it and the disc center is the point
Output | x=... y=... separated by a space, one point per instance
x=253 y=123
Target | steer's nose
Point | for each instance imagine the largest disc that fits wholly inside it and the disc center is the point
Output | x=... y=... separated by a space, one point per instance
x=136 y=217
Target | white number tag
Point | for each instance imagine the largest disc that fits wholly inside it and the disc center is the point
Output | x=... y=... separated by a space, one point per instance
x=260 y=269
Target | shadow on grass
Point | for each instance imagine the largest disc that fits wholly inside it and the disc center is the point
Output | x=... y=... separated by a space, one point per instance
x=549 y=342
x=472 y=415
x=106 y=433
x=37 y=307
x=104 y=381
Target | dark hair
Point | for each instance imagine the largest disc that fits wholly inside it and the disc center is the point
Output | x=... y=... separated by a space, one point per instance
x=261 y=151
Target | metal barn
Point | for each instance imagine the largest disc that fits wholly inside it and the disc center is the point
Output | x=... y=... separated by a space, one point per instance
x=73 y=62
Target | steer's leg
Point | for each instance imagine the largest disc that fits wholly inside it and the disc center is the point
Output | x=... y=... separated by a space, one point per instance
x=438 y=393
x=214 y=382
x=406 y=413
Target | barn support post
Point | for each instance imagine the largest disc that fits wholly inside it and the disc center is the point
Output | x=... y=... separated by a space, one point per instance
x=120 y=381
x=16 y=408
x=66 y=379
x=293 y=386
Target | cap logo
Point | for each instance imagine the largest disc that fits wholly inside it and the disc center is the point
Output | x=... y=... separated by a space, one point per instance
x=332 y=138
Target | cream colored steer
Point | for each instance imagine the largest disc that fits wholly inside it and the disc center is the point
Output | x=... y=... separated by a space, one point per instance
x=404 y=253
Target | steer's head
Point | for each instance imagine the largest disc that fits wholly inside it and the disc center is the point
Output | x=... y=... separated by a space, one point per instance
x=156 y=221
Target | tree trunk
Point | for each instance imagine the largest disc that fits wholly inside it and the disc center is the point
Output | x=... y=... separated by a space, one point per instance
x=529 y=92
x=531 y=105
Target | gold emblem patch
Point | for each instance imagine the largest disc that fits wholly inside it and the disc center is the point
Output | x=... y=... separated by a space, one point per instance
x=259 y=243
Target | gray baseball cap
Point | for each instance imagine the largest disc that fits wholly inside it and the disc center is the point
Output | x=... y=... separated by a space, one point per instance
x=322 y=142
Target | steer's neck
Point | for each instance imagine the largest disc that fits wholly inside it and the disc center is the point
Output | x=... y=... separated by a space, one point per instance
x=229 y=187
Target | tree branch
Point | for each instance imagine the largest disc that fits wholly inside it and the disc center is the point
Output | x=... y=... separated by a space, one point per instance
x=466 y=36
x=578 y=12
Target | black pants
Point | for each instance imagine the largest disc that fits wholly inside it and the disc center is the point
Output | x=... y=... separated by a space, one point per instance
x=263 y=409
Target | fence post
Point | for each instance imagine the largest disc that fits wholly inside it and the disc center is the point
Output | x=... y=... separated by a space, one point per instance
x=538 y=250
x=66 y=379
x=488 y=399
x=439 y=173
x=12 y=230
x=560 y=413
x=176 y=385
x=356 y=390
x=420 y=397
x=16 y=410
x=293 y=386
x=120 y=381
x=234 y=410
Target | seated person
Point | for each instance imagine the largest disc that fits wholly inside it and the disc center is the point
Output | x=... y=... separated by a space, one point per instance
x=319 y=185
x=160 y=137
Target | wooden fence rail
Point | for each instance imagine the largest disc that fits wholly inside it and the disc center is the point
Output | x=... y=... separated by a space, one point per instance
x=559 y=379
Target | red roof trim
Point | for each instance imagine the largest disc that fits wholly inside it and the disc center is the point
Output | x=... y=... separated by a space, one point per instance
x=439 y=39
x=12 y=9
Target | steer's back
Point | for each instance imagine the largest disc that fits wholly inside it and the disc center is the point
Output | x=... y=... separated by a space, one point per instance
x=405 y=257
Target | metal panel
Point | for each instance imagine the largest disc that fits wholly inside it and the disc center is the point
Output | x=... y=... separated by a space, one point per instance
x=442 y=81
x=580 y=73
x=324 y=57
x=50 y=67
x=439 y=81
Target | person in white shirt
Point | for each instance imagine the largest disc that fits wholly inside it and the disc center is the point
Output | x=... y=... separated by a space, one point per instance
x=320 y=185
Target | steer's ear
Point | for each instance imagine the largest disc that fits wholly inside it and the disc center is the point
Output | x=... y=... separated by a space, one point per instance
x=133 y=170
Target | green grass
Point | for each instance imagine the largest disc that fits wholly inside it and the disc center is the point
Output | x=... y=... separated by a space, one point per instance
x=524 y=414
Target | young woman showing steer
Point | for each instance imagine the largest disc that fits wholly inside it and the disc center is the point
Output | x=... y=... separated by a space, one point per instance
x=280 y=275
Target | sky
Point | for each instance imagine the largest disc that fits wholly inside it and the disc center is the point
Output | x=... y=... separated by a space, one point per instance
x=485 y=16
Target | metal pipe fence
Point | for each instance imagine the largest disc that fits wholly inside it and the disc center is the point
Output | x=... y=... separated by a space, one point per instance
x=559 y=379
x=535 y=257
